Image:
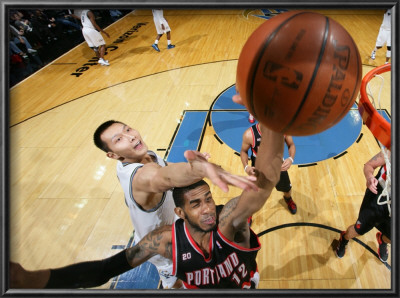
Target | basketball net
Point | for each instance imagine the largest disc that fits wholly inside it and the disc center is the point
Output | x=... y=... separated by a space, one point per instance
x=380 y=128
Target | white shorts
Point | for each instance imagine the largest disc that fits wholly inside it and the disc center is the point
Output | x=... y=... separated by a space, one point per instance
x=384 y=36
x=93 y=37
x=158 y=22
x=164 y=268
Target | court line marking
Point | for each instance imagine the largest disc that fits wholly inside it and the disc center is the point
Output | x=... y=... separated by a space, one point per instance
x=309 y=224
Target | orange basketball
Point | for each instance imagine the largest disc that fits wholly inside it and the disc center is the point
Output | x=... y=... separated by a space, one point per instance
x=299 y=73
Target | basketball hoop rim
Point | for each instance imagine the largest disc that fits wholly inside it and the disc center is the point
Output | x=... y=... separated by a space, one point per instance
x=378 y=125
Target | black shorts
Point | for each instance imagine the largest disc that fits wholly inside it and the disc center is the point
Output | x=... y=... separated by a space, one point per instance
x=284 y=184
x=373 y=215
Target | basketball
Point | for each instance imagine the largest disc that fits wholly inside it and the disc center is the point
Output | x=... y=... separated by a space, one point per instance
x=299 y=73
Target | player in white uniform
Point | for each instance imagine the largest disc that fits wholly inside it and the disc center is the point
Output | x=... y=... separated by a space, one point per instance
x=162 y=27
x=147 y=182
x=384 y=36
x=91 y=33
x=148 y=220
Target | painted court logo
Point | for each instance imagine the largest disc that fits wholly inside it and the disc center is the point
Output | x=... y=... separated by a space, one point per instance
x=262 y=13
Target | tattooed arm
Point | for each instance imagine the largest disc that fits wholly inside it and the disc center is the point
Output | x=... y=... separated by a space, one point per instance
x=369 y=168
x=234 y=215
x=94 y=273
x=157 y=242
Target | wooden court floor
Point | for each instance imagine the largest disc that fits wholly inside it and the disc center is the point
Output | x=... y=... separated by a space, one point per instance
x=66 y=204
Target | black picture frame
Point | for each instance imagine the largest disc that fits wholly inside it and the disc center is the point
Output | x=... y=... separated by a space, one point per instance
x=4 y=146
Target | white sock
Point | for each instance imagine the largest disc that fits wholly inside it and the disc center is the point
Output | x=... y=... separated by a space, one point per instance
x=156 y=42
x=169 y=42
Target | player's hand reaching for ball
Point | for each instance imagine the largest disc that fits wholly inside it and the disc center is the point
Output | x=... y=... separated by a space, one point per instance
x=217 y=174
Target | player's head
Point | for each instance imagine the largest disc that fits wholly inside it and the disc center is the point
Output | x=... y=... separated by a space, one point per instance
x=195 y=204
x=120 y=141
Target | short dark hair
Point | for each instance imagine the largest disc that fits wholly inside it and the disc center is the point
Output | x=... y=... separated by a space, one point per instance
x=97 y=135
x=179 y=192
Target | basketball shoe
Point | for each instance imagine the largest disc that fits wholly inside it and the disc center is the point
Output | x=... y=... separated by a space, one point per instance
x=170 y=46
x=291 y=205
x=382 y=250
x=154 y=46
x=103 y=62
x=251 y=118
x=341 y=248
x=373 y=55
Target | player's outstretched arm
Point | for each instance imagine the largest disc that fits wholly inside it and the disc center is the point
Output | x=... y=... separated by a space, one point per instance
x=153 y=178
x=94 y=273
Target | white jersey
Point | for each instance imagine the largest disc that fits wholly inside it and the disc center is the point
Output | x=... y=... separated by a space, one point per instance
x=85 y=20
x=145 y=221
x=386 y=23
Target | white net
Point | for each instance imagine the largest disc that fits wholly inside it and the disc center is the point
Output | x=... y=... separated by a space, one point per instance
x=386 y=194
x=375 y=87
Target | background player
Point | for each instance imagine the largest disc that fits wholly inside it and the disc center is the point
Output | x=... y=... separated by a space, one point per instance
x=251 y=140
x=91 y=33
x=384 y=36
x=374 y=210
x=162 y=27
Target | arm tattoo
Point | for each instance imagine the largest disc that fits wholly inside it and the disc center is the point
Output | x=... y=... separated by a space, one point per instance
x=132 y=253
x=227 y=211
x=156 y=242
x=168 y=250
x=376 y=157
